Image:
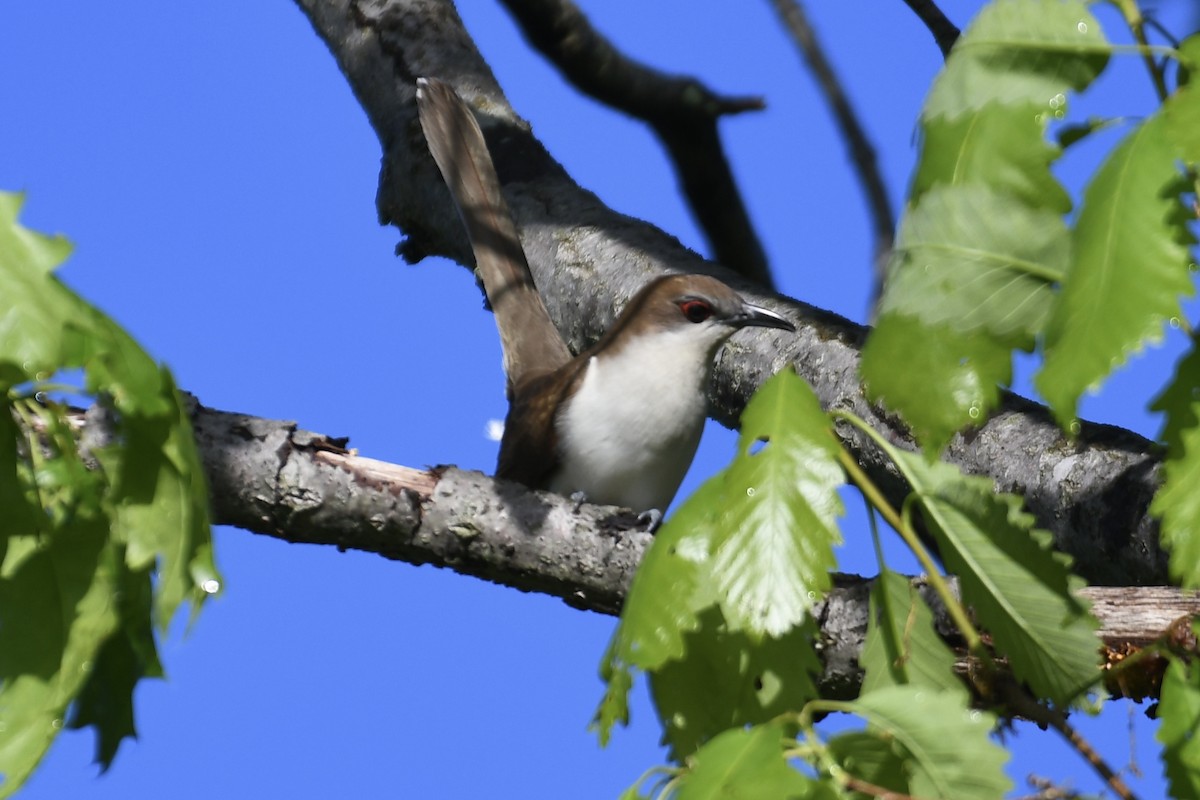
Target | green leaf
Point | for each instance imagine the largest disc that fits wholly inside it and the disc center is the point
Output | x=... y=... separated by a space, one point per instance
x=161 y=499
x=1076 y=132
x=1180 y=401
x=1019 y=52
x=974 y=259
x=71 y=532
x=1129 y=268
x=772 y=552
x=1179 y=710
x=1182 y=110
x=938 y=379
x=755 y=542
x=902 y=647
x=727 y=679
x=157 y=490
x=983 y=243
x=870 y=758
x=669 y=589
x=33 y=304
x=947 y=746
x=21 y=516
x=56 y=612
x=1177 y=503
x=617 y=676
x=1020 y=589
x=745 y=764
x=106 y=700
x=1000 y=147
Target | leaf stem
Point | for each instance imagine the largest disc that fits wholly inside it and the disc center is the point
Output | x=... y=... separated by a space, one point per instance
x=1137 y=25
x=864 y=787
x=664 y=775
x=903 y=526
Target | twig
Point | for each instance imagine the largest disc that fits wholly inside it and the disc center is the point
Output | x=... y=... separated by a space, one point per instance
x=681 y=110
x=1046 y=790
x=859 y=785
x=945 y=33
x=862 y=153
x=1137 y=26
x=1023 y=705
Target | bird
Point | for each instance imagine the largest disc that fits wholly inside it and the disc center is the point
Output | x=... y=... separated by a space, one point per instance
x=619 y=423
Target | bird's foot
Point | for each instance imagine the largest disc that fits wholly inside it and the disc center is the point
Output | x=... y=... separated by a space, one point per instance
x=577 y=499
x=651 y=518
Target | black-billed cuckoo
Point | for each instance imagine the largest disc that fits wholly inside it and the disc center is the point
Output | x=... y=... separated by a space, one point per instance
x=619 y=423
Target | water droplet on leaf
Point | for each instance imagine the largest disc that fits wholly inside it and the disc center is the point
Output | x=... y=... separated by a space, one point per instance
x=211 y=586
x=1082 y=27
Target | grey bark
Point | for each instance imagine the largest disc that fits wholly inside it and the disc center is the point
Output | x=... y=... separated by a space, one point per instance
x=1092 y=492
x=273 y=478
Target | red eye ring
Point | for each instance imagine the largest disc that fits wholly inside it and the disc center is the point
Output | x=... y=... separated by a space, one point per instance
x=695 y=310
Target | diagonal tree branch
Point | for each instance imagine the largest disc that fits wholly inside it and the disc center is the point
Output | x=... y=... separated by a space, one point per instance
x=1092 y=492
x=862 y=152
x=681 y=110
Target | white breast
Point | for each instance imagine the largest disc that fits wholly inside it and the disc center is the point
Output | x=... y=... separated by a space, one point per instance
x=628 y=435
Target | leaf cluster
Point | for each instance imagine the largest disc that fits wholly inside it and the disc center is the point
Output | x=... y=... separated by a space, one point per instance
x=993 y=257
x=101 y=540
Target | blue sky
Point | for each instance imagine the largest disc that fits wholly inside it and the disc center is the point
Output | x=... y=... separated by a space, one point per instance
x=218 y=180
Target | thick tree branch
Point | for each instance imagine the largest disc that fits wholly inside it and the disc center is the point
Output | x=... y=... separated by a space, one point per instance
x=272 y=478
x=681 y=110
x=1092 y=492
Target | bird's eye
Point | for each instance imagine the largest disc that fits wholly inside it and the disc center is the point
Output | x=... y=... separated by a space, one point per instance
x=695 y=310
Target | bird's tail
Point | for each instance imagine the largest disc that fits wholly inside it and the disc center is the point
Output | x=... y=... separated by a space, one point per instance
x=531 y=342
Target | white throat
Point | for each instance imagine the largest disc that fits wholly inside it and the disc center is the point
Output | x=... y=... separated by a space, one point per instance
x=628 y=435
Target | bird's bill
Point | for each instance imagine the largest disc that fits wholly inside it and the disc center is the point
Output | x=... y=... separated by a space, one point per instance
x=757 y=316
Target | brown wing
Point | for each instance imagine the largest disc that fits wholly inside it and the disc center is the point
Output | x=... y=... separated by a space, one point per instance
x=531 y=342
x=529 y=449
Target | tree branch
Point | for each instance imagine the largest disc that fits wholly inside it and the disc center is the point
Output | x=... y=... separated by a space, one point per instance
x=271 y=477
x=681 y=110
x=862 y=152
x=1092 y=492
x=945 y=33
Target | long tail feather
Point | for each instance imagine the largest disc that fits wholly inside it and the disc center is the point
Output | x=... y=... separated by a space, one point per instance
x=531 y=342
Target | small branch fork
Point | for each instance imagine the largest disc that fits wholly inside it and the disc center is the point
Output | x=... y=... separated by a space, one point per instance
x=681 y=110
